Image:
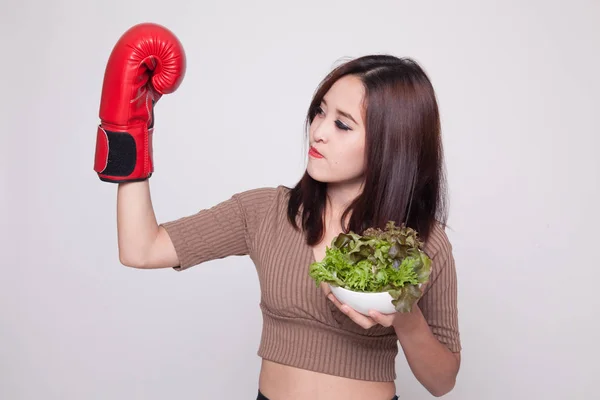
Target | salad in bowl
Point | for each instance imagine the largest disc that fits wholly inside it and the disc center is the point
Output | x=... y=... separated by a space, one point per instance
x=381 y=270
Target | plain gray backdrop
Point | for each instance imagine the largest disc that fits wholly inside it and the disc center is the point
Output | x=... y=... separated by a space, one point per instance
x=517 y=83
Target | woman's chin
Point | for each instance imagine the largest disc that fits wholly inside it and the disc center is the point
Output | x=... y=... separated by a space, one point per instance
x=317 y=175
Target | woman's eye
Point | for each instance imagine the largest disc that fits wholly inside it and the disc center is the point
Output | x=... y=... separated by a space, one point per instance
x=341 y=125
x=319 y=110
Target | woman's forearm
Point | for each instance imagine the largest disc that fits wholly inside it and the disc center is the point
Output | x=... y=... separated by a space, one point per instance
x=432 y=363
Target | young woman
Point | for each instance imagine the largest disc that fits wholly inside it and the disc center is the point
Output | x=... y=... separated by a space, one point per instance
x=375 y=156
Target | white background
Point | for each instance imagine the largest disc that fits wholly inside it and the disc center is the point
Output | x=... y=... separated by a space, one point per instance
x=518 y=86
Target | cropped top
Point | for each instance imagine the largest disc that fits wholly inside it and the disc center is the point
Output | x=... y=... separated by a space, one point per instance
x=301 y=327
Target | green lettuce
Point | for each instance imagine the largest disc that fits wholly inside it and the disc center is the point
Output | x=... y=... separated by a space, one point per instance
x=390 y=260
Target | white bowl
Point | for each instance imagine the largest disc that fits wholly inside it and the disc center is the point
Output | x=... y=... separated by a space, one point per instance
x=363 y=302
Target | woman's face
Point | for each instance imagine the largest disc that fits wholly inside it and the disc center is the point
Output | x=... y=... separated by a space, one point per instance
x=337 y=133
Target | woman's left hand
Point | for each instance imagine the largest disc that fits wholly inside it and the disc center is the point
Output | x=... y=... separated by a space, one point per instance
x=374 y=318
x=366 y=322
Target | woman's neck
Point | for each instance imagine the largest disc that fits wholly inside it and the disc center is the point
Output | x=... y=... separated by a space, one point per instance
x=339 y=197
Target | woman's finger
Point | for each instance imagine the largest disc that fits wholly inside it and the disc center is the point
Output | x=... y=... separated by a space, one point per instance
x=358 y=318
x=382 y=319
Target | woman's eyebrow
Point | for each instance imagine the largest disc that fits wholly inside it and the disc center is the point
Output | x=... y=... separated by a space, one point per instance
x=345 y=114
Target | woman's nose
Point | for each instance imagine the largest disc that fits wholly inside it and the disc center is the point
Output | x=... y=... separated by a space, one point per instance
x=320 y=133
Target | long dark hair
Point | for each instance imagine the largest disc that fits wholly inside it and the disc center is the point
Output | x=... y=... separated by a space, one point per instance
x=404 y=177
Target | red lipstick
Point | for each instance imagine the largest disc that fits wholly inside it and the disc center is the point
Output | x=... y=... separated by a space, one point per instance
x=314 y=153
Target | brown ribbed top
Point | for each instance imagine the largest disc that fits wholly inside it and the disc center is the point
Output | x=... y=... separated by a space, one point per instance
x=301 y=327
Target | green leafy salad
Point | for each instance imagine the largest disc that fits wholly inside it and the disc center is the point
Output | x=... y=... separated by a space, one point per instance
x=390 y=260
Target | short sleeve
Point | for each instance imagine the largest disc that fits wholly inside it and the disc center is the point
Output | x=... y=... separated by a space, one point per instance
x=223 y=230
x=439 y=303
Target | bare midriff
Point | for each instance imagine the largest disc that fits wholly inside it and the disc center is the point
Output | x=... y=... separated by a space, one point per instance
x=278 y=381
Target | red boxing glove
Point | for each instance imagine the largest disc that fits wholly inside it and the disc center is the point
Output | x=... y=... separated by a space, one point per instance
x=147 y=62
